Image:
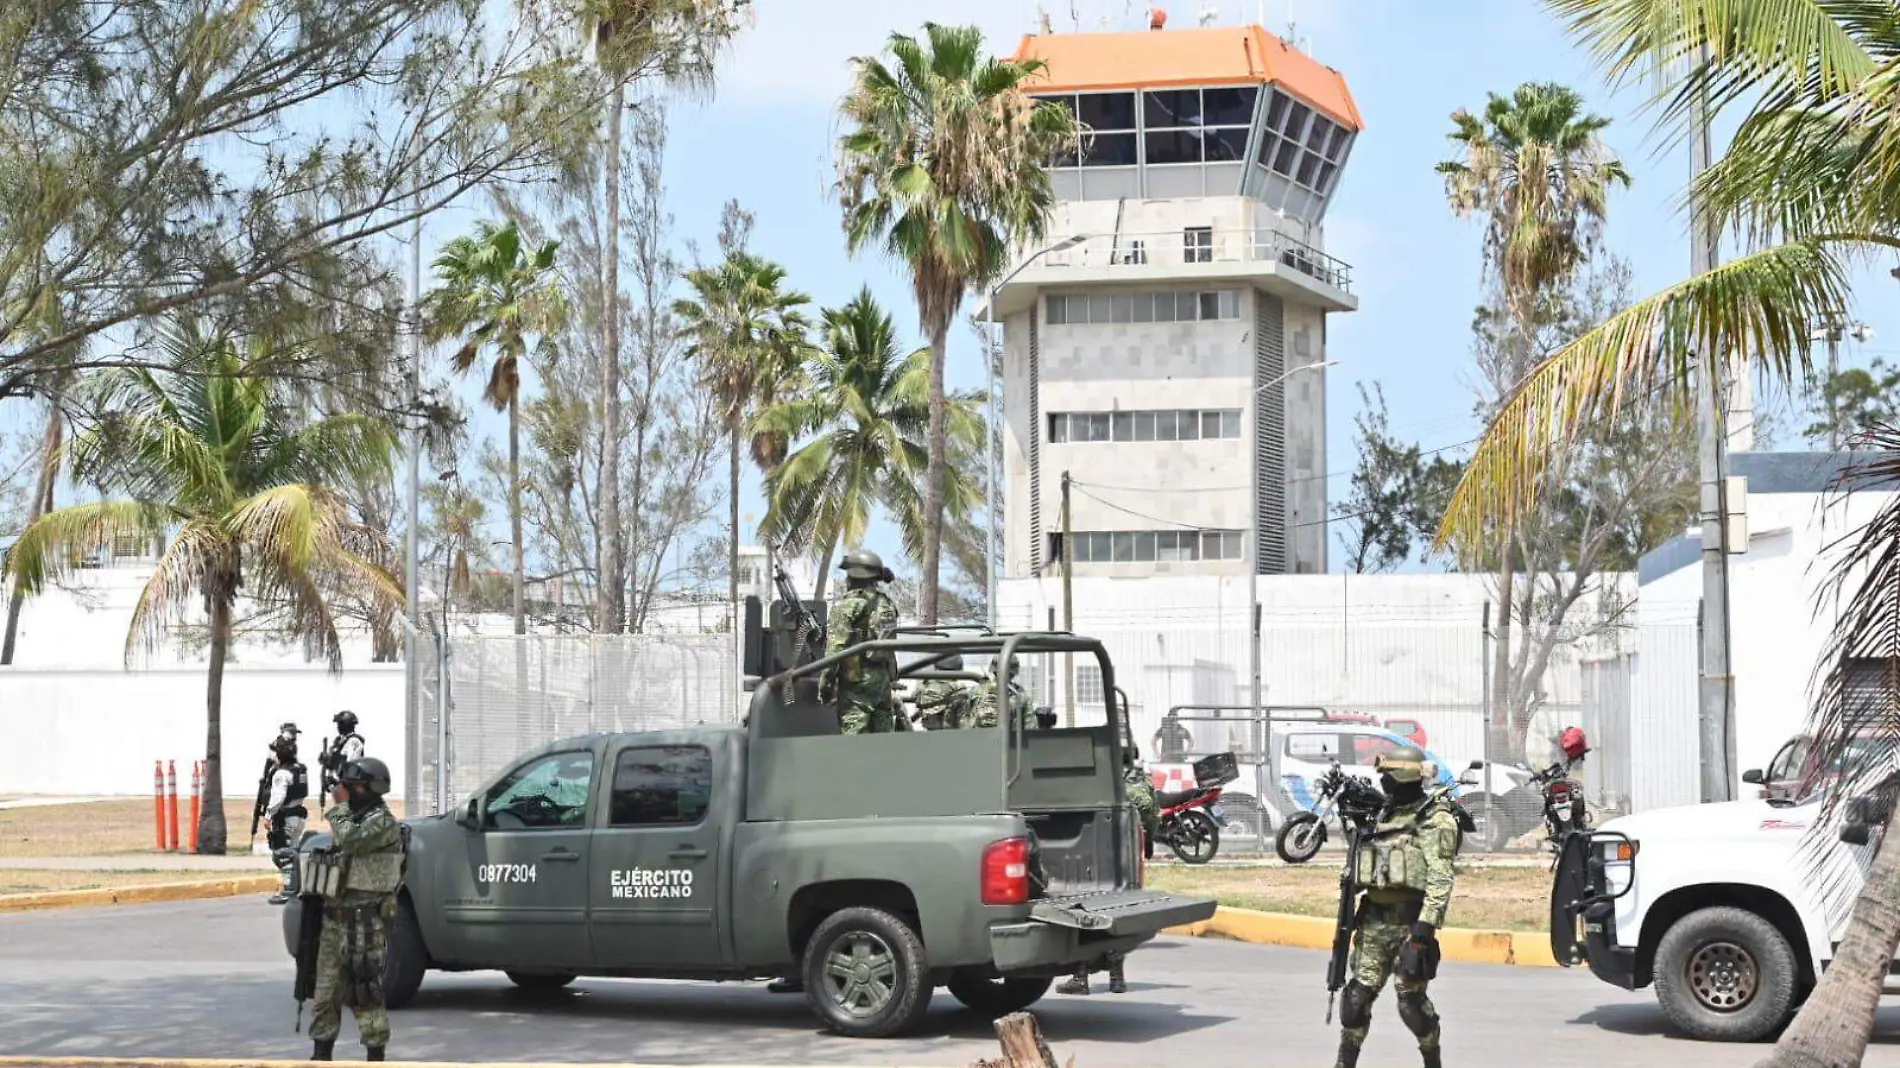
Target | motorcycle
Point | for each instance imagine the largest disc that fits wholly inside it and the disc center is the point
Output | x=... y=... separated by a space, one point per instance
x=1550 y=796
x=1191 y=822
x=1339 y=797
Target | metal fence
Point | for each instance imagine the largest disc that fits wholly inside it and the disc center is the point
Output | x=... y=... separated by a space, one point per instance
x=502 y=695
x=1423 y=676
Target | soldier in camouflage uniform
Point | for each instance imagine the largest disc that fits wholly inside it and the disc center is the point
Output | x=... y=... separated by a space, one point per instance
x=355 y=942
x=942 y=703
x=1405 y=873
x=982 y=707
x=862 y=685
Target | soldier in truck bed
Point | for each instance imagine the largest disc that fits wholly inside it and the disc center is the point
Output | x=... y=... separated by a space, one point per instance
x=862 y=685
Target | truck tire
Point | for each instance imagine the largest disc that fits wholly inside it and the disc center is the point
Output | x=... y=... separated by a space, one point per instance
x=1726 y=975
x=995 y=997
x=408 y=958
x=866 y=974
x=1300 y=838
x=541 y=982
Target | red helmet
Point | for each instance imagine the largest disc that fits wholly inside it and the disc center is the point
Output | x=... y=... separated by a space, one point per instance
x=1573 y=743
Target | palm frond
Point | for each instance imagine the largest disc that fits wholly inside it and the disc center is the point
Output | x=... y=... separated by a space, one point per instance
x=175 y=588
x=55 y=543
x=1759 y=308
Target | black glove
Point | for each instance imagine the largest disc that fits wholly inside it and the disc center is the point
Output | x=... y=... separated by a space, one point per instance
x=1418 y=957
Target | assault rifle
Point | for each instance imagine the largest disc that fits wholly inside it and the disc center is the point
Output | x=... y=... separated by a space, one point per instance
x=795 y=609
x=263 y=797
x=329 y=763
x=309 y=935
x=1347 y=919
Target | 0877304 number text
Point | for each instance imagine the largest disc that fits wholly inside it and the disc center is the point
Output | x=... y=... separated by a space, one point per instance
x=504 y=873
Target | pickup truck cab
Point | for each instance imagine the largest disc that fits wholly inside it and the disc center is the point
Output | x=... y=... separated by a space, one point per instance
x=874 y=867
x=1730 y=910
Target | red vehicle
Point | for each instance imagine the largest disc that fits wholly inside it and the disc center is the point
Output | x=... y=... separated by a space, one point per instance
x=1404 y=728
x=1190 y=823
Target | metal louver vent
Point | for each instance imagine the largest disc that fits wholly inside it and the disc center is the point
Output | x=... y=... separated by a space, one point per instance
x=1269 y=435
x=1035 y=440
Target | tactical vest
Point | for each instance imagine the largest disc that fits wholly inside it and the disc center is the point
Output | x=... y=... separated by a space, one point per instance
x=299 y=787
x=1392 y=856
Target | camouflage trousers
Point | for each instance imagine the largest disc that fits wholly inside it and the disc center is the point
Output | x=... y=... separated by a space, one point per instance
x=1383 y=931
x=350 y=959
x=867 y=710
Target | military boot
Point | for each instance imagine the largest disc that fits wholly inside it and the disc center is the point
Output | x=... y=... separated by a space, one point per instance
x=1075 y=984
x=1116 y=983
x=1348 y=1054
x=376 y=1052
x=324 y=1050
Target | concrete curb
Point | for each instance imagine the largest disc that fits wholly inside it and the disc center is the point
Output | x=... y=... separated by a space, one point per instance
x=1311 y=932
x=138 y=895
x=240 y=1062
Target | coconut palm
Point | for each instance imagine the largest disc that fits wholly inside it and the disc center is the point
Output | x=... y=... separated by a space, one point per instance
x=1811 y=178
x=247 y=495
x=675 y=40
x=748 y=336
x=867 y=409
x=495 y=294
x=941 y=165
x=1534 y=167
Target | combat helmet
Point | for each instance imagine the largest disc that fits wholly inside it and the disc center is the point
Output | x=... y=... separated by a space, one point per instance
x=369 y=771
x=1404 y=763
x=862 y=564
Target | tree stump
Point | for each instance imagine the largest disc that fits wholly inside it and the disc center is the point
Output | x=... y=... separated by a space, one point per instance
x=1023 y=1045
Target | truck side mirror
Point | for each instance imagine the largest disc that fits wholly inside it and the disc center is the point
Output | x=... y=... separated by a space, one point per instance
x=1754 y=777
x=471 y=816
x=1856 y=833
x=1476 y=765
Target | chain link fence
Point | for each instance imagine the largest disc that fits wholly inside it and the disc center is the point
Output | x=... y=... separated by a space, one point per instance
x=480 y=701
x=1430 y=678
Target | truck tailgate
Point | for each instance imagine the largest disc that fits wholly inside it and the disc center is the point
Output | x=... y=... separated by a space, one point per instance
x=1118 y=913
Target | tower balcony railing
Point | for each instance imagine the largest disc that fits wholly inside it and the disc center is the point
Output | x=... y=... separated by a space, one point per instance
x=1197 y=246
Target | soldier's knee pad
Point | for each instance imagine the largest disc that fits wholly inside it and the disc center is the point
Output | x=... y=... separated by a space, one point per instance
x=1355 y=1006
x=1417 y=1012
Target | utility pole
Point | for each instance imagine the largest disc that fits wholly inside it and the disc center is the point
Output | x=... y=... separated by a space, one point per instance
x=411 y=570
x=1715 y=694
x=1832 y=330
x=1068 y=606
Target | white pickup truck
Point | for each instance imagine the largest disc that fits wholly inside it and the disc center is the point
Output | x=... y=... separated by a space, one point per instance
x=1730 y=910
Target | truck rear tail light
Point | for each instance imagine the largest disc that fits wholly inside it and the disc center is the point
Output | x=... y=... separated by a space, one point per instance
x=1006 y=872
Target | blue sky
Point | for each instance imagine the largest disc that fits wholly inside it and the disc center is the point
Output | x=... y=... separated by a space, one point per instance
x=766 y=139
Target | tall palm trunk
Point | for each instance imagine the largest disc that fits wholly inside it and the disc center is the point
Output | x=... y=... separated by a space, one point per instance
x=1503 y=712
x=41 y=504
x=514 y=510
x=610 y=605
x=935 y=472
x=732 y=545
x=212 y=832
x=1832 y=1029
x=824 y=565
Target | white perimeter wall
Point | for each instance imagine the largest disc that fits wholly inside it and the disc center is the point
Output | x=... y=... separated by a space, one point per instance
x=86 y=732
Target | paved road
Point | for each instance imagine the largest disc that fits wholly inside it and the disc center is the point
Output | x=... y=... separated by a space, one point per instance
x=210 y=979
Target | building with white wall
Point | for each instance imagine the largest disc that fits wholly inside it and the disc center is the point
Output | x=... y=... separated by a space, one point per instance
x=1777 y=626
x=1148 y=344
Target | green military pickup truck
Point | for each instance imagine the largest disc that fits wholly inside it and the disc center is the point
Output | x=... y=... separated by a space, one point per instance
x=873 y=867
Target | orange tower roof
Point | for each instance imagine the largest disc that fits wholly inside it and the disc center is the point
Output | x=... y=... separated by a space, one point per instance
x=1217 y=55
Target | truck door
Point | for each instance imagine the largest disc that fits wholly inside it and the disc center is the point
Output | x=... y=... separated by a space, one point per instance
x=521 y=900
x=658 y=858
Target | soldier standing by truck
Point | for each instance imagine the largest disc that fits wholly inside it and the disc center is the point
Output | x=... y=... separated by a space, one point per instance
x=1141 y=793
x=1404 y=874
x=354 y=945
x=862 y=685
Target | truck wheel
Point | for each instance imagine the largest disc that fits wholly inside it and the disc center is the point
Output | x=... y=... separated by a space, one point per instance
x=541 y=982
x=1725 y=975
x=1300 y=838
x=995 y=997
x=866 y=974
x=408 y=958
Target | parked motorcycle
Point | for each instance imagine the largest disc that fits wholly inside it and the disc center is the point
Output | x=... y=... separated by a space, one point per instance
x=1550 y=796
x=1191 y=822
x=1339 y=798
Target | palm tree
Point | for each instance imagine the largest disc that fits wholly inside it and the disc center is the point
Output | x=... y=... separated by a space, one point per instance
x=495 y=294
x=246 y=492
x=676 y=40
x=1811 y=177
x=942 y=165
x=868 y=409
x=1534 y=167
x=748 y=336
